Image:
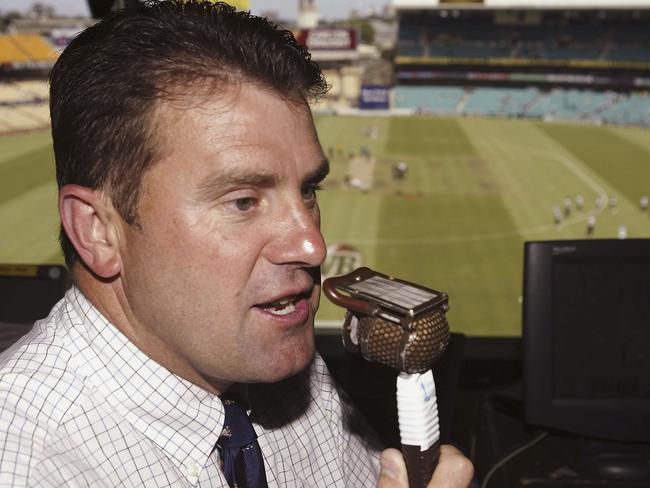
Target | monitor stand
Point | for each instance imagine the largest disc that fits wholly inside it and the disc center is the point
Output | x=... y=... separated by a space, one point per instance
x=614 y=461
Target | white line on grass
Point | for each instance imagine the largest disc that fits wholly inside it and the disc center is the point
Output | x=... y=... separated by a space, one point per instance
x=575 y=169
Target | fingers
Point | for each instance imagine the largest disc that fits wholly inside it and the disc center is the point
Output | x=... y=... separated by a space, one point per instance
x=393 y=470
x=453 y=471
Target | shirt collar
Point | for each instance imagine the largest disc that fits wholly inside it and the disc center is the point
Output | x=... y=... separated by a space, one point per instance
x=183 y=419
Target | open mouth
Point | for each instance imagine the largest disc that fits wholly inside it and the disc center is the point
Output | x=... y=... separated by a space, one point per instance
x=283 y=306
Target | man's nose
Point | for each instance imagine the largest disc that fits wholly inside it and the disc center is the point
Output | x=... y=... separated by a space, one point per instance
x=297 y=239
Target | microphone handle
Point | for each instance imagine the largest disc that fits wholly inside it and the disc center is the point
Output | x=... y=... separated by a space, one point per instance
x=420 y=464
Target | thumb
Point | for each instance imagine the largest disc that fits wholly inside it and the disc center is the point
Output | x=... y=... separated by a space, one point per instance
x=392 y=473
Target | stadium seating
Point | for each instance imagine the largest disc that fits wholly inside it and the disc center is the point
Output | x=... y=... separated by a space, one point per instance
x=556 y=39
x=36 y=88
x=16 y=92
x=573 y=52
x=10 y=120
x=23 y=105
x=39 y=113
x=34 y=47
x=21 y=118
x=571 y=104
x=497 y=101
x=485 y=101
x=630 y=110
x=566 y=104
x=10 y=53
x=437 y=100
x=518 y=101
x=619 y=53
x=406 y=48
x=629 y=42
x=10 y=93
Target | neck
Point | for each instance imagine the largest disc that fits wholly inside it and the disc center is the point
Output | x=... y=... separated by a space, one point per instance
x=108 y=297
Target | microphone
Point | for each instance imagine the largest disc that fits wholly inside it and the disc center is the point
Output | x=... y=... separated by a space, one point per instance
x=402 y=325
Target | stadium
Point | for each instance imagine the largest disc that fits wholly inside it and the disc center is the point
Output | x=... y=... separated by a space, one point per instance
x=487 y=124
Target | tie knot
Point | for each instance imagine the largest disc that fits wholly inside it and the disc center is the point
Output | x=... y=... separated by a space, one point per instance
x=237 y=427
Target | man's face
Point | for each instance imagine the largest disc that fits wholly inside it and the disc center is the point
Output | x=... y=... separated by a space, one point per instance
x=221 y=275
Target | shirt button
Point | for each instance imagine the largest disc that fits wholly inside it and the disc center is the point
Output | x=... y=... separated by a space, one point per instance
x=193 y=470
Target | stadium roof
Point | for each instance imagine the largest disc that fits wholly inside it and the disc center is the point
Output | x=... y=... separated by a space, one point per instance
x=533 y=4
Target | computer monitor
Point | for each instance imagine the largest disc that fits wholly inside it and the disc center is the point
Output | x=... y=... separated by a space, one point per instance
x=586 y=336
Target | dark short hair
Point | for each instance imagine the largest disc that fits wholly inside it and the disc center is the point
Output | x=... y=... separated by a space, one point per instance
x=106 y=84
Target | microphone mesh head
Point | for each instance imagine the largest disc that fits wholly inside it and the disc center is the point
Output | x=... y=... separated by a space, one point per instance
x=410 y=350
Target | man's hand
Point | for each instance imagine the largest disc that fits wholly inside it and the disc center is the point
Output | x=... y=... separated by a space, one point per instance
x=453 y=471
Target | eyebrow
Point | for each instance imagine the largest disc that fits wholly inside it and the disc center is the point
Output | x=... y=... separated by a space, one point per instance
x=319 y=174
x=222 y=180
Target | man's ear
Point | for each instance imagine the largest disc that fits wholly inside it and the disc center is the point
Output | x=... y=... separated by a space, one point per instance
x=90 y=221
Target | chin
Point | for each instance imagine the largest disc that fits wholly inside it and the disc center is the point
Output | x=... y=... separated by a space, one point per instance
x=289 y=364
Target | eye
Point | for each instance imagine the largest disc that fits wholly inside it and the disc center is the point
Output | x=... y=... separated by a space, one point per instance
x=309 y=192
x=245 y=204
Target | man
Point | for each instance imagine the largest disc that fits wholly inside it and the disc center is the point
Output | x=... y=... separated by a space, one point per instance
x=557 y=215
x=188 y=165
x=591 y=224
x=580 y=202
x=612 y=202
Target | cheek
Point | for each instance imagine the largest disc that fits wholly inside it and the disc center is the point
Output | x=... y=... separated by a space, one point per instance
x=219 y=262
x=200 y=248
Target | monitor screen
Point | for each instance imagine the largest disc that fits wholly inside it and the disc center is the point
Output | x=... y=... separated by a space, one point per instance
x=587 y=337
x=607 y=302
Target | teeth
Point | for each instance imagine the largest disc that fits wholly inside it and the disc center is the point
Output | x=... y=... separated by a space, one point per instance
x=284 y=307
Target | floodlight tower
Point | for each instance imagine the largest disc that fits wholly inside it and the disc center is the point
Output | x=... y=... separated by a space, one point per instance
x=307 y=14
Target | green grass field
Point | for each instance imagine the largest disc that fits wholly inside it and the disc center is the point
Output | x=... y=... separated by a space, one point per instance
x=476 y=189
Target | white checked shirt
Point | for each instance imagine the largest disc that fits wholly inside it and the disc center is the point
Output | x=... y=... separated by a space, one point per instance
x=81 y=406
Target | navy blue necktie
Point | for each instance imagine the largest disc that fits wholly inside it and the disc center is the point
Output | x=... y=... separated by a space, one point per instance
x=243 y=464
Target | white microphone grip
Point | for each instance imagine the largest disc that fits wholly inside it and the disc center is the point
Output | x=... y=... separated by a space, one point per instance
x=419 y=428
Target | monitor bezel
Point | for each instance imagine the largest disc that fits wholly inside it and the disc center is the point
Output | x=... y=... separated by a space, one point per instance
x=625 y=420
